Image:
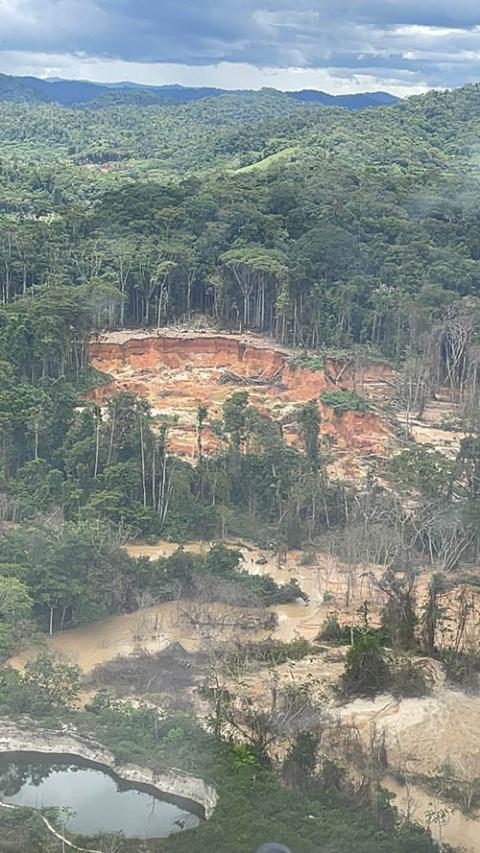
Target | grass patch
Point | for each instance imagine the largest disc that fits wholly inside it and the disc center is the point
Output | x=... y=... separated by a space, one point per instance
x=267 y=161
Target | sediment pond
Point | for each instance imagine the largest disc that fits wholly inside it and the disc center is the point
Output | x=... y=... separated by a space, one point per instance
x=92 y=798
x=432 y=730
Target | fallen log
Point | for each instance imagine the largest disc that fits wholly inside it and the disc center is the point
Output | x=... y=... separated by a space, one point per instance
x=52 y=830
x=229 y=377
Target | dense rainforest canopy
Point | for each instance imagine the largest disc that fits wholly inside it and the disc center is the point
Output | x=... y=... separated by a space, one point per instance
x=318 y=225
x=76 y=92
x=321 y=227
x=326 y=229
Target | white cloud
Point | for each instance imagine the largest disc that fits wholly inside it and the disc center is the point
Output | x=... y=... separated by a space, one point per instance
x=226 y=75
x=405 y=44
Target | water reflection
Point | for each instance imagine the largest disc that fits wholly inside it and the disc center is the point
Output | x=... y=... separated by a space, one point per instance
x=95 y=801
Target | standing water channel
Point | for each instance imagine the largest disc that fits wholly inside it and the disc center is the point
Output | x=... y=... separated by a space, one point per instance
x=92 y=798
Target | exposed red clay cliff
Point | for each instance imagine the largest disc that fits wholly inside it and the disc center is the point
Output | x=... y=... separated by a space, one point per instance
x=178 y=371
x=167 y=351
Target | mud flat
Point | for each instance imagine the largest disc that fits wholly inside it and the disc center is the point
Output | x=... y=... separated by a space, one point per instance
x=446 y=822
x=150 y=629
x=422 y=736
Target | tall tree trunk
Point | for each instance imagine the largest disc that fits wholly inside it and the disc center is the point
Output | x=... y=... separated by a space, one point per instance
x=112 y=433
x=142 y=451
x=97 y=444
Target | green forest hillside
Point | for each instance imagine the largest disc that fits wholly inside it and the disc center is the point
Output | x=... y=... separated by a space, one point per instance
x=350 y=223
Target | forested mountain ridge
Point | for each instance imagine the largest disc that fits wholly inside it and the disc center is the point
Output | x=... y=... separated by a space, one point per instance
x=373 y=211
x=80 y=92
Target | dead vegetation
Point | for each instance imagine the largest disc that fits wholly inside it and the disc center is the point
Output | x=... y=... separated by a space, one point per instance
x=212 y=620
x=172 y=671
x=261 y=379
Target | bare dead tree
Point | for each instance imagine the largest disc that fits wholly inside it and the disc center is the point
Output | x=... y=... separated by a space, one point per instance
x=441 y=534
x=465 y=605
x=214 y=619
x=450 y=345
x=460 y=781
x=431 y=613
x=399 y=615
x=290 y=711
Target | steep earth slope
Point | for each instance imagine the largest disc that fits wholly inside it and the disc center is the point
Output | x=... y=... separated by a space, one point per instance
x=179 y=371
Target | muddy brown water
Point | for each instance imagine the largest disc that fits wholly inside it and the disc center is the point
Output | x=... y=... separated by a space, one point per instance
x=327 y=584
x=446 y=823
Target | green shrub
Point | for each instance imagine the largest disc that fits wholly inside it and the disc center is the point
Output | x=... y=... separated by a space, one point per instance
x=426 y=470
x=48 y=683
x=274 y=651
x=461 y=668
x=345 y=401
x=366 y=670
x=308 y=558
x=243 y=755
x=311 y=362
x=330 y=631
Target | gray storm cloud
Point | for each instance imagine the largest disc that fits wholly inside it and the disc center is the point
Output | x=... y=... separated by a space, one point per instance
x=438 y=42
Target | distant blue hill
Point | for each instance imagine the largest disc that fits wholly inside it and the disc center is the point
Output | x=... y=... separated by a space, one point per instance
x=350 y=102
x=71 y=93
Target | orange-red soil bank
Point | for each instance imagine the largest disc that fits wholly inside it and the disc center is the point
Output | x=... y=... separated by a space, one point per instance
x=179 y=371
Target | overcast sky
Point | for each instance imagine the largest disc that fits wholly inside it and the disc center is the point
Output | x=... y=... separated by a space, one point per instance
x=336 y=45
